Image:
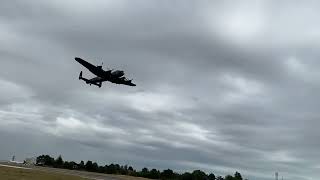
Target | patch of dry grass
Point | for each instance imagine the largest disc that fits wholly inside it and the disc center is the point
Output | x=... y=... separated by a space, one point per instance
x=123 y=177
x=7 y=173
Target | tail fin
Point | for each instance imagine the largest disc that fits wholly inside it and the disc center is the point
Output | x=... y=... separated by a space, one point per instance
x=80 y=75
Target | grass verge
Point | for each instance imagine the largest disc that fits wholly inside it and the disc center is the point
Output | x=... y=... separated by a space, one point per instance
x=8 y=173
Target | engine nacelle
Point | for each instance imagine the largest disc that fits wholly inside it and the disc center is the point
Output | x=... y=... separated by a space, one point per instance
x=117 y=73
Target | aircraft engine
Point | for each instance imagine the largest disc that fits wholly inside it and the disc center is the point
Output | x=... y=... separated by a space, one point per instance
x=117 y=73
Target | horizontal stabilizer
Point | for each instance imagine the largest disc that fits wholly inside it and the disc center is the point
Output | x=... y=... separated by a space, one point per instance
x=80 y=75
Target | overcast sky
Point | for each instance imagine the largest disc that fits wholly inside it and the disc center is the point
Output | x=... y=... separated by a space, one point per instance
x=222 y=86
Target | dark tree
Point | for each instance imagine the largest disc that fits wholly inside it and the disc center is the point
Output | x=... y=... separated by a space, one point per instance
x=58 y=162
x=219 y=178
x=45 y=160
x=144 y=172
x=74 y=165
x=95 y=167
x=101 y=169
x=130 y=168
x=237 y=176
x=176 y=176
x=199 y=175
x=229 y=177
x=167 y=174
x=70 y=165
x=154 y=174
x=89 y=166
x=118 y=169
x=124 y=170
x=186 y=176
x=131 y=171
x=81 y=165
x=212 y=176
x=112 y=169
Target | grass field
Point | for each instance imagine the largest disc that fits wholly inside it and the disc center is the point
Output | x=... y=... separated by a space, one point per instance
x=14 y=172
x=7 y=173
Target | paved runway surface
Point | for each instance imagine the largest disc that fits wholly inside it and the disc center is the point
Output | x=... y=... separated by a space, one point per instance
x=3 y=165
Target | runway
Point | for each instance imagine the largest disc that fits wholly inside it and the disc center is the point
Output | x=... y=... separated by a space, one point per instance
x=17 y=167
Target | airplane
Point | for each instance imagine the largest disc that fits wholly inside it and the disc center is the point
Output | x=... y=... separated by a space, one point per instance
x=14 y=161
x=116 y=77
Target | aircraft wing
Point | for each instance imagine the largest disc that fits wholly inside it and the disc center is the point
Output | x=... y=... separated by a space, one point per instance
x=85 y=64
x=92 y=68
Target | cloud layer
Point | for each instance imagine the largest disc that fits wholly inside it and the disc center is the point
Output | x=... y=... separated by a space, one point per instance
x=221 y=86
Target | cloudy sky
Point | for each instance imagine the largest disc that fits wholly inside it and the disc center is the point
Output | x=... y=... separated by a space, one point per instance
x=221 y=85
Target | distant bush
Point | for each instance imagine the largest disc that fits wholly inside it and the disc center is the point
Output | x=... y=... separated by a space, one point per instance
x=168 y=174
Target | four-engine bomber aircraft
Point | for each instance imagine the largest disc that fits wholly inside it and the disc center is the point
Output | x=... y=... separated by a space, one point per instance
x=116 y=77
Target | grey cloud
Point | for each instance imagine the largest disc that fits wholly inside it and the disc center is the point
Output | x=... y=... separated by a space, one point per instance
x=212 y=93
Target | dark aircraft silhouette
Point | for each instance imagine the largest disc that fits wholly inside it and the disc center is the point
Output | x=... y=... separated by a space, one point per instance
x=102 y=75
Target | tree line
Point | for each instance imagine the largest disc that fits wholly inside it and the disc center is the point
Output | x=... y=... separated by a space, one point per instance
x=168 y=174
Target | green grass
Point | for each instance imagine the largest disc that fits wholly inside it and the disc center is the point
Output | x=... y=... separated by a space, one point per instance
x=7 y=173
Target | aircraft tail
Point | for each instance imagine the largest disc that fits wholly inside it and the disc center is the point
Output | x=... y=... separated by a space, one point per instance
x=99 y=84
x=82 y=78
x=80 y=75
